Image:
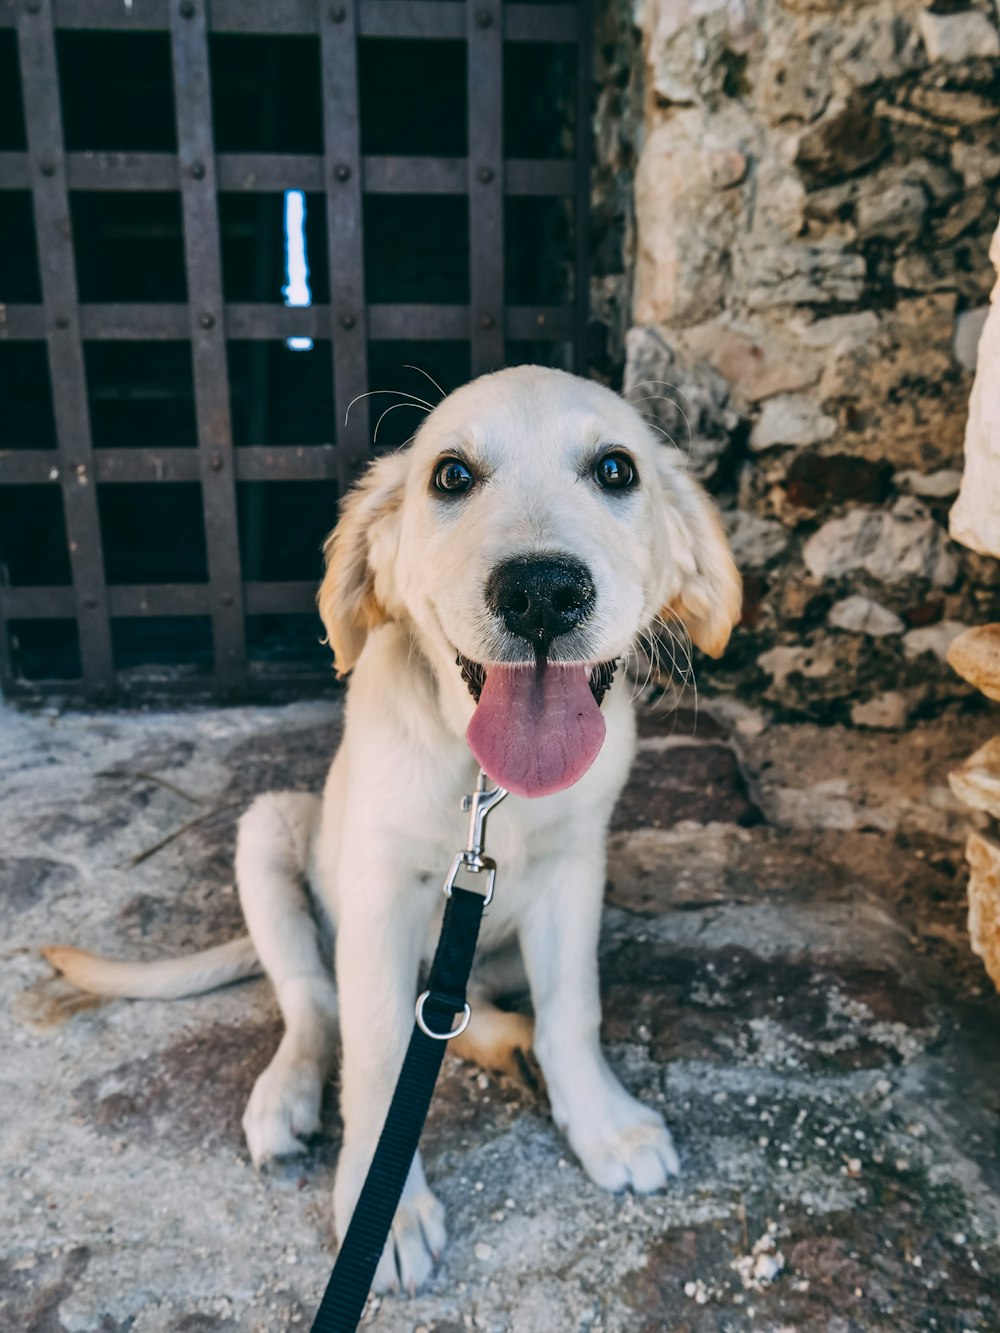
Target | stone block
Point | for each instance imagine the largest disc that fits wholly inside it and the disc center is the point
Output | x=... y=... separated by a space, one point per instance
x=983 y=856
x=941 y=485
x=756 y=360
x=891 y=546
x=791 y=419
x=863 y=615
x=754 y=541
x=977 y=782
x=803 y=275
x=975 y=655
x=885 y=712
x=894 y=214
x=936 y=639
x=956 y=37
x=954 y=107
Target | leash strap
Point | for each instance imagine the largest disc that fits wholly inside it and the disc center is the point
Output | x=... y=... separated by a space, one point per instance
x=346 y=1292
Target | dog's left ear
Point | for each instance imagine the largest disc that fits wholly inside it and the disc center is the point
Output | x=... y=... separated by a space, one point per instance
x=709 y=598
x=356 y=591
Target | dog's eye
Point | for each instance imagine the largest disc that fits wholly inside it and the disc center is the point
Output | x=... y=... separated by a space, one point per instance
x=452 y=477
x=615 y=472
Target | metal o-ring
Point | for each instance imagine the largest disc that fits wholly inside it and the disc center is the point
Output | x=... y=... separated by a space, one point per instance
x=463 y=1022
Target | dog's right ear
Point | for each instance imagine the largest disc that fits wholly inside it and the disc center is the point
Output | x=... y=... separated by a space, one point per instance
x=356 y=592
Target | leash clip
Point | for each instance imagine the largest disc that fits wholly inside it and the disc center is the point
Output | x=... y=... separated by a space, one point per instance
x=478 y=804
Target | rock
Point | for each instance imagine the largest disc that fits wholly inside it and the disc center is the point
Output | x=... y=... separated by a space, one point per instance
x=940 y=485
x=975 y=519
x=684 y=223
x=785 y=660
x=876 y=44
x=895 y=214
x=824 y=804
x=968 y=331
x=689 y=402
x=690 y=43
x=977 y=163
x=977 y=782
x=843 y=143
x=790 y=419
x=838 y=332
x=753 y=541
x=890 y=546
x=961 y=36
x=803 y=275
x=936 y=639
x=983 y=856
x=885 y=712
x=951 y=107
x=754 y=359
x=975 y=655
x=862 y=615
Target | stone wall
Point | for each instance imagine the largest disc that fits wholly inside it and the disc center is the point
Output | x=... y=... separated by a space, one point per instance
x=793 y=202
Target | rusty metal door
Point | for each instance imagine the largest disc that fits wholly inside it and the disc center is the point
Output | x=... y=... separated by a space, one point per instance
x=97 y=229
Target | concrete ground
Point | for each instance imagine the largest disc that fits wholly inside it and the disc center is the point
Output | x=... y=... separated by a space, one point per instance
x=784 y=969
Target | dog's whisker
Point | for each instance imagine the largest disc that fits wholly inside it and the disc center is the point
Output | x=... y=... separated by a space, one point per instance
x=666 y=384
x=400 y=393
x=420 y=371
x=391 y=408
x=685 y=646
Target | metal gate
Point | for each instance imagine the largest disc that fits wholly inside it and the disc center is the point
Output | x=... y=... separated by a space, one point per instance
x=71 y=608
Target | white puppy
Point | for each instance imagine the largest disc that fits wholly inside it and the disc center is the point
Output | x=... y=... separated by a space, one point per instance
x=512 y=554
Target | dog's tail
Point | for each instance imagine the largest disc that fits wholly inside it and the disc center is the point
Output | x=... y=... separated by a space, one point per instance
x=168 y=979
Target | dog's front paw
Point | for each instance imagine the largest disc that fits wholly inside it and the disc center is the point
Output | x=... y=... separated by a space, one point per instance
x=632 y=1149
x=415 y=1243
x=284 y=1109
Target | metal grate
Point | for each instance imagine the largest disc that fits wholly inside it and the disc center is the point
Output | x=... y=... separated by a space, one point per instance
x=48 y=189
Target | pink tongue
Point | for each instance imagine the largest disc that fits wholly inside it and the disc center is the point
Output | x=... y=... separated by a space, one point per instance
x=536 y=732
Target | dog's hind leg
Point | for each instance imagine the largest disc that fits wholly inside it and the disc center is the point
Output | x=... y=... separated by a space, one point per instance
x=498 y=1039
x=495 y=1039
x=272 y=856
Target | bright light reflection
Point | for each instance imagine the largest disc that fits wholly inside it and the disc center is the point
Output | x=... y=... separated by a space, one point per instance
x=296 y=290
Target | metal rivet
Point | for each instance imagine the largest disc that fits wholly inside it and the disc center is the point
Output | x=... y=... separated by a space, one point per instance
x=47 y=168
x=198 y=170
x=338 y=13
x=62 y=321
x=228 y=599
x=187 y=9
x=217 y=462
x=487 y=322
x=348 y=321
x=485 y=174
x=342 y=171
x=206 y=320
x=484 y=18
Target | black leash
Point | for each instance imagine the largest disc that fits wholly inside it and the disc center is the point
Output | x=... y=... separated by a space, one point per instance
x=349 y=1284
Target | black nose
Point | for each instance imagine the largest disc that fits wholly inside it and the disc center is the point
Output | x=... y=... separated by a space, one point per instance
x=539 y=598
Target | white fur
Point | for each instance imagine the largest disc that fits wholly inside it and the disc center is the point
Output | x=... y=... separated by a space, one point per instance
x=404 y=591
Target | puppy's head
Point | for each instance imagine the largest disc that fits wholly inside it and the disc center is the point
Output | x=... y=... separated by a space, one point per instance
x=532 y=530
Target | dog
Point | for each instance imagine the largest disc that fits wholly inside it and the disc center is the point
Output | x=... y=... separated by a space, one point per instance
x=479 y=588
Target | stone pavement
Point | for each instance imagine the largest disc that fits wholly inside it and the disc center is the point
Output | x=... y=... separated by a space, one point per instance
x=784 y=968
